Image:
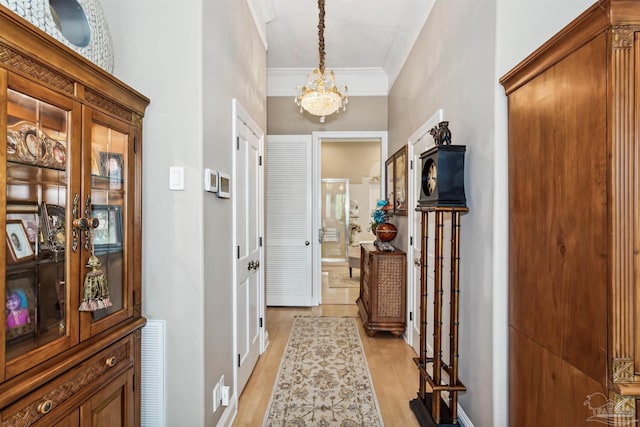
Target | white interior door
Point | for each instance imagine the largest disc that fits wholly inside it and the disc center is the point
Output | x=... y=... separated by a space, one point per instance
x=248 y=212
x=288 y=216
x=419 y=142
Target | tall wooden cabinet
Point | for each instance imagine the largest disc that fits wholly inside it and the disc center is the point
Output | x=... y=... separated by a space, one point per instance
x=574 y=291
x=382 y=300
x=71 y=168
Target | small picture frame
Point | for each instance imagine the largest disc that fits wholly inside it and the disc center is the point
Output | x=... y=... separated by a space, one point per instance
x=28 y=214
x=112 y=167
x=19 y=248
x=53 y=227
x=19 y=306
x=107 y=237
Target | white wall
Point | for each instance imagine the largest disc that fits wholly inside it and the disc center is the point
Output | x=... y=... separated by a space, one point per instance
x=190 y=71
x=158 y=51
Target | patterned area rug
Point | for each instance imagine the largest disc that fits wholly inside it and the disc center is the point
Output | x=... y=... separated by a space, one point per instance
x=338 y=275
x=324 y=378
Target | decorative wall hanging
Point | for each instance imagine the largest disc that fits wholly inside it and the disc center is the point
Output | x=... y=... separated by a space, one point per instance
x=79 y=24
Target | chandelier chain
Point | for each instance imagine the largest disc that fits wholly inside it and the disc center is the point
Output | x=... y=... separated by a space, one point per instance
x=321 y=34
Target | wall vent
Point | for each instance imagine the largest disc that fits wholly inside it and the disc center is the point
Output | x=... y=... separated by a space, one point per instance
x=153 y=374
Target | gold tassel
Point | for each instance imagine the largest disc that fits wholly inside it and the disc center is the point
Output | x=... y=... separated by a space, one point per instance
x=96 y=291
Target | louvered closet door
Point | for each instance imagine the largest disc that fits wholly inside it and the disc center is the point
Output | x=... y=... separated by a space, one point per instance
x=288 y=217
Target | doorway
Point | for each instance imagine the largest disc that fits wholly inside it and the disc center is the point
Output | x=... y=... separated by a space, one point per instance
x=346 y=182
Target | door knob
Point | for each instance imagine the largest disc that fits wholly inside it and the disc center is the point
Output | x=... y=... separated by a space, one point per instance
x=417 y=262
x=250 y=265
x=256 y=264
x=307 y=243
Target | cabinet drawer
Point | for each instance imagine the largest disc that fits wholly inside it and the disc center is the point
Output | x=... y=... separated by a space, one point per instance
x=70 y=388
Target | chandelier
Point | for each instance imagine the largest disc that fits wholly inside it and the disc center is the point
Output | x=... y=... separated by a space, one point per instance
x=320 y=96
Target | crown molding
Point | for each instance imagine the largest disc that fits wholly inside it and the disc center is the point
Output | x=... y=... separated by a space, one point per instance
x=262 y=12
x=359 y=81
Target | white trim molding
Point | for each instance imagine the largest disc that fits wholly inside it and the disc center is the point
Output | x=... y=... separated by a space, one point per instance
x=359 y=81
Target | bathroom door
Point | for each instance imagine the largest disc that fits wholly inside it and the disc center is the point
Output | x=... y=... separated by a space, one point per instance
x=335 y=219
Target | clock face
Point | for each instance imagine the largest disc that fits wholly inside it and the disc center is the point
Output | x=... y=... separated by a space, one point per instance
x=430 y=180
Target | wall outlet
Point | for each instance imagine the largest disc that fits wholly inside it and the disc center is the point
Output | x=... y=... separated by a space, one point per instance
x=216 y=397
x=225 y=395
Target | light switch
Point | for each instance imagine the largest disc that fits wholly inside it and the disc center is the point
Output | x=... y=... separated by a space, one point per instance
x=176 y=178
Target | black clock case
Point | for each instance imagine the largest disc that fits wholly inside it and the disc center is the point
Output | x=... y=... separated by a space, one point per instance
x=449 y=189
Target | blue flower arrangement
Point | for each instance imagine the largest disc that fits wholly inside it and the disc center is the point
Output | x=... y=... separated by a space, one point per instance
x=380 y=214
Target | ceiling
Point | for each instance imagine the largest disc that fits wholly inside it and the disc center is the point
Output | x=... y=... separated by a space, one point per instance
x=364 y=37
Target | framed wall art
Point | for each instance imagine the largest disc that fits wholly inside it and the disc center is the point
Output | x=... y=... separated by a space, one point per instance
x=388 y=185
x=396 y=182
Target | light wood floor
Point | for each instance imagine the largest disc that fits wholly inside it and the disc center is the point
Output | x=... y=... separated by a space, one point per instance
x=390 y=359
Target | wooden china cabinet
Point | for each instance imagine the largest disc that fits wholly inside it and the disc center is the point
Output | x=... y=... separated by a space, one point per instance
x=574 y=235
x=71 y=168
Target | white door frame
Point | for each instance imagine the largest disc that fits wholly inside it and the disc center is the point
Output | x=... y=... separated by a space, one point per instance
x=413 y=284
x=316 y=194
x=239 y=113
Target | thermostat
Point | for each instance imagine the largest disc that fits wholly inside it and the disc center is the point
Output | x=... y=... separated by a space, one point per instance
x=224 y=185
x=210 y=180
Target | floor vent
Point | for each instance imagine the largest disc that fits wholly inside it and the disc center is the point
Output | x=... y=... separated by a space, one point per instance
x=153 y=374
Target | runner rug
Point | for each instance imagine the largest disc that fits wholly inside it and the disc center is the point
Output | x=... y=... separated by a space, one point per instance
x=324 y=378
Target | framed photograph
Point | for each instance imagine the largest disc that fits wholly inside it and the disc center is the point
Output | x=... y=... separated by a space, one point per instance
x=28 y=214
x=20 y=303
x=107 y=237
x=388 y=187
x=19 y=248
x=400 y=181
x=396 y=182
x=112 y=166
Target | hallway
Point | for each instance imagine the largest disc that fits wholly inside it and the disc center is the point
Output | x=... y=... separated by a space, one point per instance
x=390 y=360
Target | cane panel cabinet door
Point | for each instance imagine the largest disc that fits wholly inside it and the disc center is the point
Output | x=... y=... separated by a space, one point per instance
x=573 y=111
x=71 y=210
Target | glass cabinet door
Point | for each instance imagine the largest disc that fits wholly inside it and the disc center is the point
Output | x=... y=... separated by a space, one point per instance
x=37 y=249
x=110 y=147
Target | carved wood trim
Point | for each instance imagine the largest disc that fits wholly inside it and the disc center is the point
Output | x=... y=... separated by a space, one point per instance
x=81 y=379
x=623 y=193
x=14 y=59
x=624 y=406
x=622 y=370
x=106 y=104
x=136 y=120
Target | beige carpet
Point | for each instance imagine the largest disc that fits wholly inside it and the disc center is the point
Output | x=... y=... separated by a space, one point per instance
x=324 y=379
x=338 y=275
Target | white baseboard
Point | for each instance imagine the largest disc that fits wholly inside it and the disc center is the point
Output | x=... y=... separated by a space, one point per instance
x=230 y=413
x=463 y=418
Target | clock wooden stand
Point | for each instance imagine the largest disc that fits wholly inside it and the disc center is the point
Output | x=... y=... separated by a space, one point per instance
x=429 y=406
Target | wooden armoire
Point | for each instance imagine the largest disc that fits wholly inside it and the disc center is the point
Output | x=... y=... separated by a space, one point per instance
x=70 y=162
x=574 y=283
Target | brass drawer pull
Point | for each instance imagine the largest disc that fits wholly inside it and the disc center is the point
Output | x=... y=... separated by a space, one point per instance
x=45 y=407
x=111 y=361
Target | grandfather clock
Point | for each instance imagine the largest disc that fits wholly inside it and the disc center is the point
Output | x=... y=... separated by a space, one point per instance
x=442 y=194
